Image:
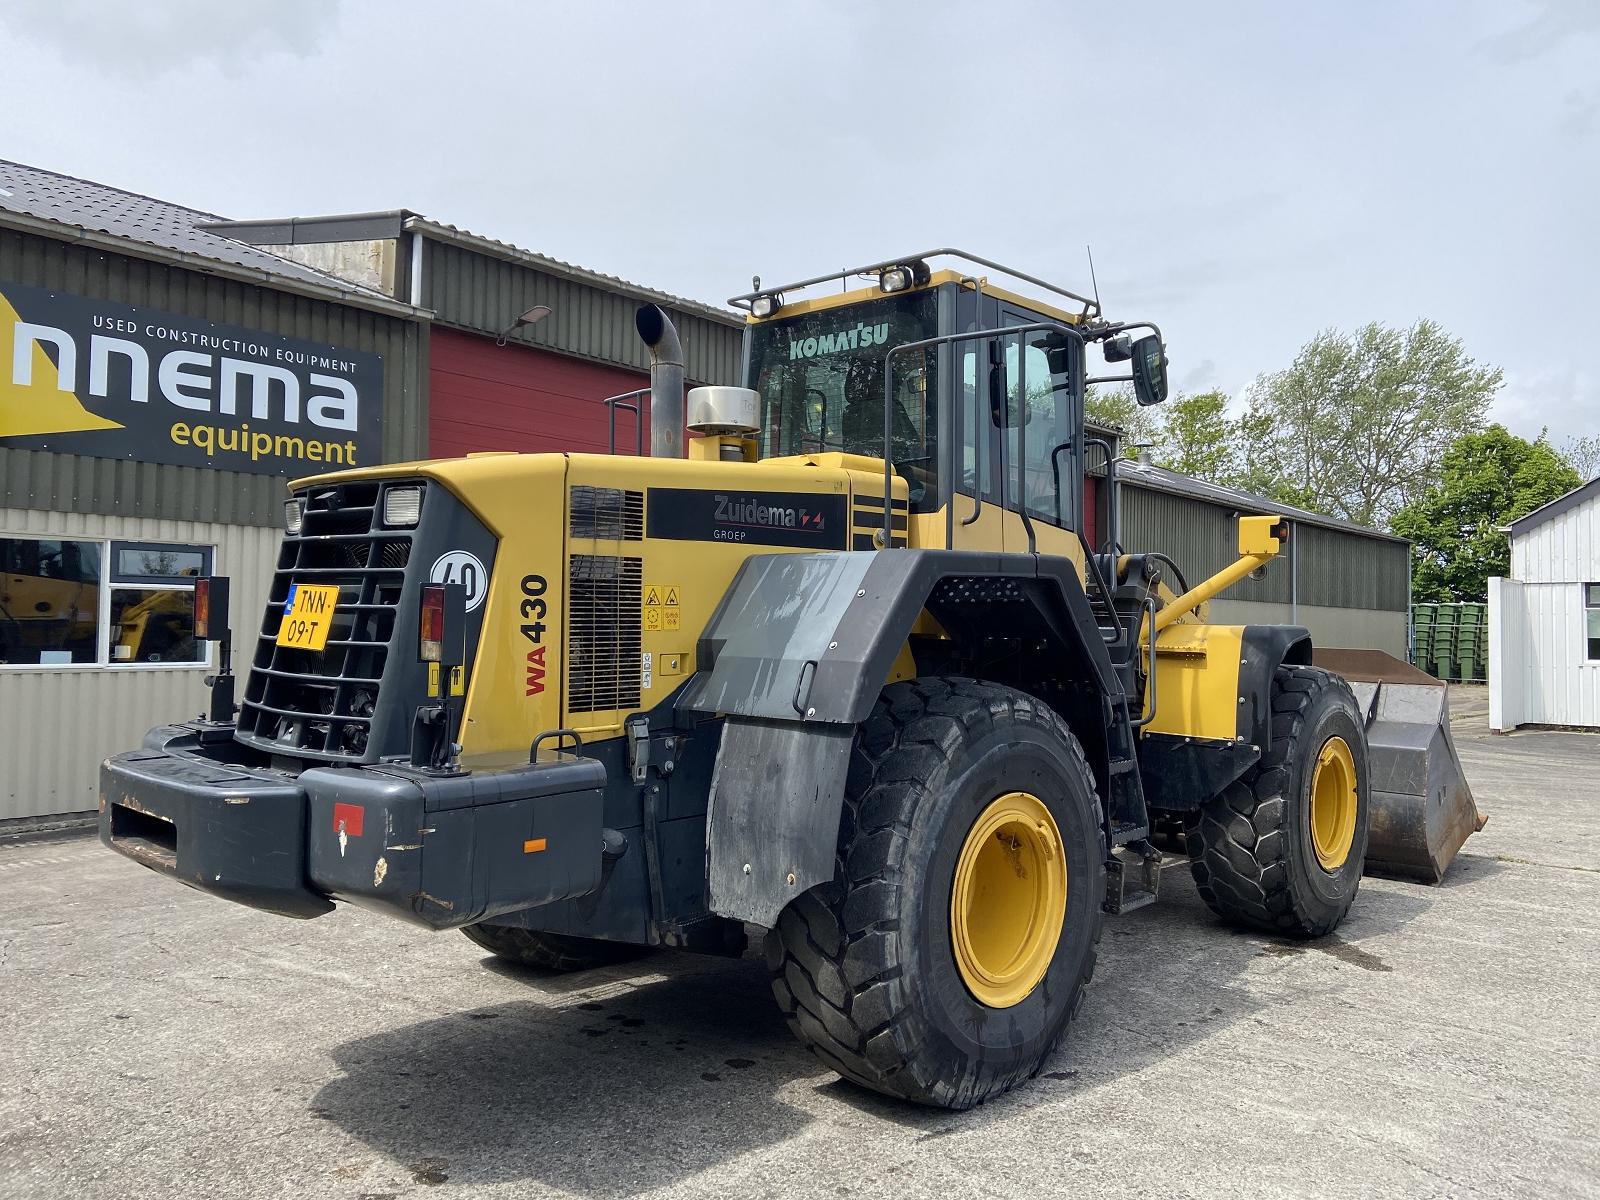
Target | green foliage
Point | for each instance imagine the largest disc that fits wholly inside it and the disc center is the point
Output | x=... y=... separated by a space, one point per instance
x=1485 y=481
x=1116 y=407
x=1357 y=425
x=1190 y=434
x=1198 y=438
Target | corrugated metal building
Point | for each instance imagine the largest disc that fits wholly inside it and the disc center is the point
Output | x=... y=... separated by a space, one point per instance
x=1544 y=621
x=1347 y=584
x=495 y=384
x=164 y=371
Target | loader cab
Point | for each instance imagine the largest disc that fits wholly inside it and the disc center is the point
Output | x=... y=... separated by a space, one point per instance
x=976 y=428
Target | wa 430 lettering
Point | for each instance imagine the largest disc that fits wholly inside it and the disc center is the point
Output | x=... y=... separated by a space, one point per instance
x=534 y=610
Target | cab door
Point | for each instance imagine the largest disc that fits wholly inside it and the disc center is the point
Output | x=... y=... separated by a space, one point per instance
x=1038 y=433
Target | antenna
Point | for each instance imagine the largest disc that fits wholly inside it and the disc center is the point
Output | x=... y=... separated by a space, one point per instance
x=1093 y=282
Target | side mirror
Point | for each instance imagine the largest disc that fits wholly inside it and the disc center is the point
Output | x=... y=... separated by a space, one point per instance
x=1149 y=370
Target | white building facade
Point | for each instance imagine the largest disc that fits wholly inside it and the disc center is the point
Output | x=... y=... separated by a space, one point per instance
x=1544 y=621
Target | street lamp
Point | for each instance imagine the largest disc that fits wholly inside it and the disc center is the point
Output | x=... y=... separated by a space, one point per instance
x=532 y=317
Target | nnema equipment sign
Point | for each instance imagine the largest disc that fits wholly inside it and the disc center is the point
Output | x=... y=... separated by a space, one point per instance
x=92 y=377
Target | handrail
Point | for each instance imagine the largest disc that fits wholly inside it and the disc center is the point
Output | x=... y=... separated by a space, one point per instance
x=1113 y=498
x=613 y=403
x=1091 y=307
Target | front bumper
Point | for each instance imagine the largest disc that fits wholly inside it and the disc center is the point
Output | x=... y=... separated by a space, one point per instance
x=436 y=850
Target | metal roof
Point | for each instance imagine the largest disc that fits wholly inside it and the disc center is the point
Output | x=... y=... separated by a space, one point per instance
x=554 y=266
x=47 y=202
x=1148 y=475
x=389 y=223
x=1577 y=496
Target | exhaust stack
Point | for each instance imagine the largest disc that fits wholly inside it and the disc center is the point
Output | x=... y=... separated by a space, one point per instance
x=666 y=381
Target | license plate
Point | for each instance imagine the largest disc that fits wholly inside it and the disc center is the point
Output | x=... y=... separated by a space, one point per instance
x=308 y=615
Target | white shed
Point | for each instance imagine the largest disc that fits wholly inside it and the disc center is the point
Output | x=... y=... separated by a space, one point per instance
x=1544 y=621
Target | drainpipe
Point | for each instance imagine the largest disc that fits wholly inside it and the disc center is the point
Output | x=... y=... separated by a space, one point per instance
x=666 y=381
x=416 y=269
x=1294 y=573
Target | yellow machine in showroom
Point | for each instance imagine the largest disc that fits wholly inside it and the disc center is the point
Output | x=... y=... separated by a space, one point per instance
x=844 y=668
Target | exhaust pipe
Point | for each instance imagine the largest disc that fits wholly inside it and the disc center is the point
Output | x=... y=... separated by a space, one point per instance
x=666 y=381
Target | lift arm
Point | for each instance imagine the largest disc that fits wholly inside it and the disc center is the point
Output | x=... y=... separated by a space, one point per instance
x=1260 y=539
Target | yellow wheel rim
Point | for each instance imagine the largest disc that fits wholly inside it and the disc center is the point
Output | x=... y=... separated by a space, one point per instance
x=1009 y=900
x=1333 y=804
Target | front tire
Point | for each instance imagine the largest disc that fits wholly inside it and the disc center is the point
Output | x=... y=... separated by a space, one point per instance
x=550 y=951
x=950 y=952
x=1282 y=849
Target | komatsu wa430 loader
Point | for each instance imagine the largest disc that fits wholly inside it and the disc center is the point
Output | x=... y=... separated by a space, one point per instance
x=844 y=670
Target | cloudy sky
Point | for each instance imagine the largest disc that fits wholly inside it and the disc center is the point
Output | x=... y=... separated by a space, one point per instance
x=1248 y=173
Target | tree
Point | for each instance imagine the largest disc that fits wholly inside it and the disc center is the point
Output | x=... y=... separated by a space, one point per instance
x=1198 y=437
x=1583 y=455
x=1116 y=408
x=1358 y=423
x=1486 y=480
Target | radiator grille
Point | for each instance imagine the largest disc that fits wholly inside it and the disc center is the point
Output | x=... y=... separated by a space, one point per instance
x=603 y=618
x=599 y=512
x=321 y=705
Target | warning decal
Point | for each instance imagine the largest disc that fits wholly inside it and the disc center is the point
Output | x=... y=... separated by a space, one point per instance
x=661 y=609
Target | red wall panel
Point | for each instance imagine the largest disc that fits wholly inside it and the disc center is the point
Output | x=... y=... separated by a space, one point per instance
x=488 y=397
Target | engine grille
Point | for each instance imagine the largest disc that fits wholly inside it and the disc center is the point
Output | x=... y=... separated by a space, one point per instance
x=600 y=512
x=603 y=619
x=321 y=705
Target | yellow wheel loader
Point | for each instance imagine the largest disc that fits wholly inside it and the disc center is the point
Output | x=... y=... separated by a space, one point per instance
x=844 y=669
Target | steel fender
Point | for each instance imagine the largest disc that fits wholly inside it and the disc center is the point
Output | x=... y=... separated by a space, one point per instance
x=1181 y=772
x=795 y=657
x=811 y=637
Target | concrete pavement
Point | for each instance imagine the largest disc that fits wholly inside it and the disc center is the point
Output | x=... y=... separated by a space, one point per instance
x=155 y=1042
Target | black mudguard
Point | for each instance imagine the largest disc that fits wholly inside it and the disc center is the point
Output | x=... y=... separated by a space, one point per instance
x=795 y=657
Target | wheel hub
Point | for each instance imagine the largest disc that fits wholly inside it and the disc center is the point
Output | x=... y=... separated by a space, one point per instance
x=1009 y=900
x=1333 y=804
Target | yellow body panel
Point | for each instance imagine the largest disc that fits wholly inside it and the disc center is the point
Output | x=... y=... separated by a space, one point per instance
x=1197 y=681
x=523 y=500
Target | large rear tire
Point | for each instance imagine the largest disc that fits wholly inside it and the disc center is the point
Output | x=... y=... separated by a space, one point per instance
x=950 y=952
x=1281 y=850
x=550 y=951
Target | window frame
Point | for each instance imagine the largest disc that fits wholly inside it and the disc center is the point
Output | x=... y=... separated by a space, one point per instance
x=1590 y=595
x=113 y=580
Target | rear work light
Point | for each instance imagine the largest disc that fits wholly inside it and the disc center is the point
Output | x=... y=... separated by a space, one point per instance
x=402 y=506
x=430 y=624
x=211 y=608
x=294 y=515
x=764 y=306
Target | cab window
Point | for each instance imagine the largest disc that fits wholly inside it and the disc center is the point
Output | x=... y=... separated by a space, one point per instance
x=1039 y=418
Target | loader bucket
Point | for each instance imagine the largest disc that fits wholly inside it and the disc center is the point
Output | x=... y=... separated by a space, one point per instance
x=1421 y=807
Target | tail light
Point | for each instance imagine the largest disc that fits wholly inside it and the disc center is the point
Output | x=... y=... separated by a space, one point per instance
x=430 y=624
x=441 y=624
x=211 y=608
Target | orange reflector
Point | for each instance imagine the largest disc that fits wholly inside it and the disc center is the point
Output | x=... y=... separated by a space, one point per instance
x=533 y=845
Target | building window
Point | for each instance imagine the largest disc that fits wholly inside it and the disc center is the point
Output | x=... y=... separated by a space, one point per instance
x=1591 y=616
x=82 y=602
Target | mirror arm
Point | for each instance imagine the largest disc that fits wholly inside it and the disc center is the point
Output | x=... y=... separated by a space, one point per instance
x=1111 y=379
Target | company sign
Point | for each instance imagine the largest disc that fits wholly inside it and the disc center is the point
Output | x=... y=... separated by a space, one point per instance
x=92 y=377
x=812 y=520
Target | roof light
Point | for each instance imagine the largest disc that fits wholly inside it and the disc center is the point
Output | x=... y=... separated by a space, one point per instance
x=764 y=306
x=294 y=515
x=902 y=276
x=402 y=506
